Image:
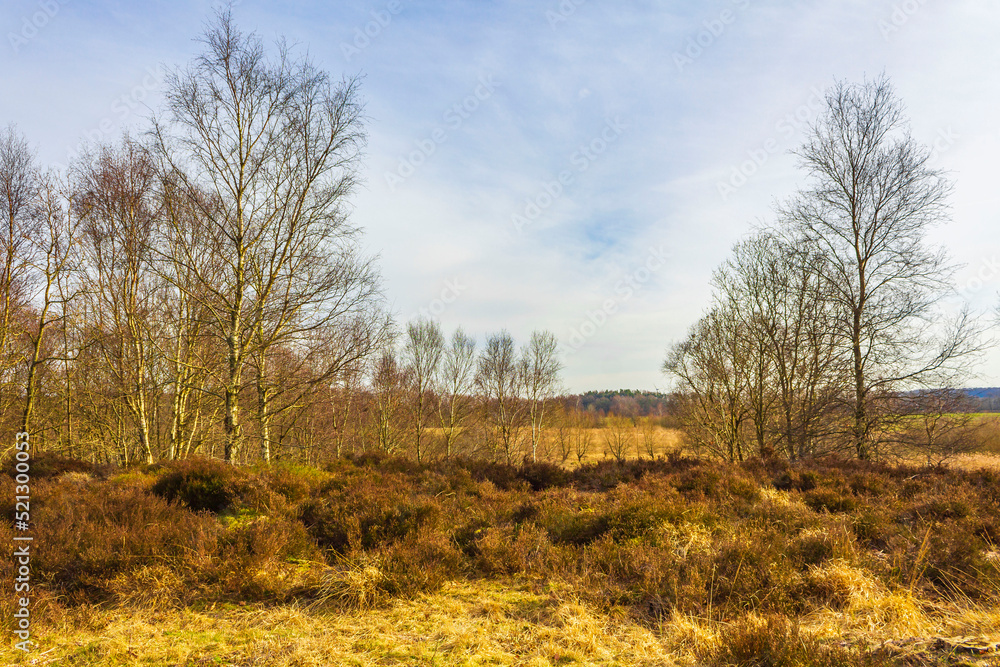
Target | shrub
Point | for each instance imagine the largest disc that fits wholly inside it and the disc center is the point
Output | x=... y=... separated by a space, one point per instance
x=201 y=484
x=371 y=511
x=829 y=500
x=540 y=475
x=575 y=527
x=294 y=483
x=46 y=465
x=509 y=550
x=752 y=571
x=89 y=535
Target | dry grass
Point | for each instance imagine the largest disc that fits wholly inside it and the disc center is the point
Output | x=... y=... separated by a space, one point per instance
x=977 y=461
x=475 y=623
x=666 y=440
x=464 y=624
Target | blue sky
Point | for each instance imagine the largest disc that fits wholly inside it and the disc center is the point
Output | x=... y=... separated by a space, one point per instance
x=568 y=165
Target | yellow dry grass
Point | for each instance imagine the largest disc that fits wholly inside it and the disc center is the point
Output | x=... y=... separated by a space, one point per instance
x=468 y=624
x=977 y=461
x=665 y=440
x=464 y=624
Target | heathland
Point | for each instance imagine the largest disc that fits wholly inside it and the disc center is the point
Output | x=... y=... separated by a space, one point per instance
x=373 y=560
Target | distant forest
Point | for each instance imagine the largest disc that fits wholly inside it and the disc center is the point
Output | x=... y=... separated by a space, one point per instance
x=627 y=403
x=636 y=403
x=986 y=399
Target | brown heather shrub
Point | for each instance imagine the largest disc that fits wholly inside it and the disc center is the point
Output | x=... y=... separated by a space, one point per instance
x=370 y=510
x=653 y=579
x=569 y=526
x=46 y=465
x=794 y=479
x=88 y=535
x=510 y=550
x=657 y=536
x=826 y=499
x=248 y=553
x=752 y=571
x=420 y=564
x=423 y=562
x=211 y=485
x=294 y=483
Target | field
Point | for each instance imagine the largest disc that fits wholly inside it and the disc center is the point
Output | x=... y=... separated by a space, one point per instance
x=384 y=562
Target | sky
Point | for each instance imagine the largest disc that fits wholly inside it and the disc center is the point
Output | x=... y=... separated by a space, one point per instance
x=577 y=166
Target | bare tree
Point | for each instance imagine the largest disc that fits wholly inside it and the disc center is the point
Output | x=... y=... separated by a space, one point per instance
x=562 y=422
x=648 y=429
x=455 y=387
x=114 y=198
x=422 y=352
x=583 y=435
x=500 y=381
x=938 y=424
x=192 y=355
x=345 y=408
x=619 y=436
x=777 y=295
x=388 y=395
x=872 y=199
x=20 y=218
x=711 y=369
x=53 y=255
x=541 y=368
x=266 y=150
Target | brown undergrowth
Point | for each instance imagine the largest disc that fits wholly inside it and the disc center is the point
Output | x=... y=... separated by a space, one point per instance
x=763 y=563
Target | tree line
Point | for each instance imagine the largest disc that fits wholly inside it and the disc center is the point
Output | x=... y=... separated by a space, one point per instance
x=828 y=329
x=201 y=289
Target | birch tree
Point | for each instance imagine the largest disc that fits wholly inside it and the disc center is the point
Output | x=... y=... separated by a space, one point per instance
x=872 y=198
x=455 y=387
x=422 y=352
x=118 y=210
x=266 y=149
x=541 y=367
